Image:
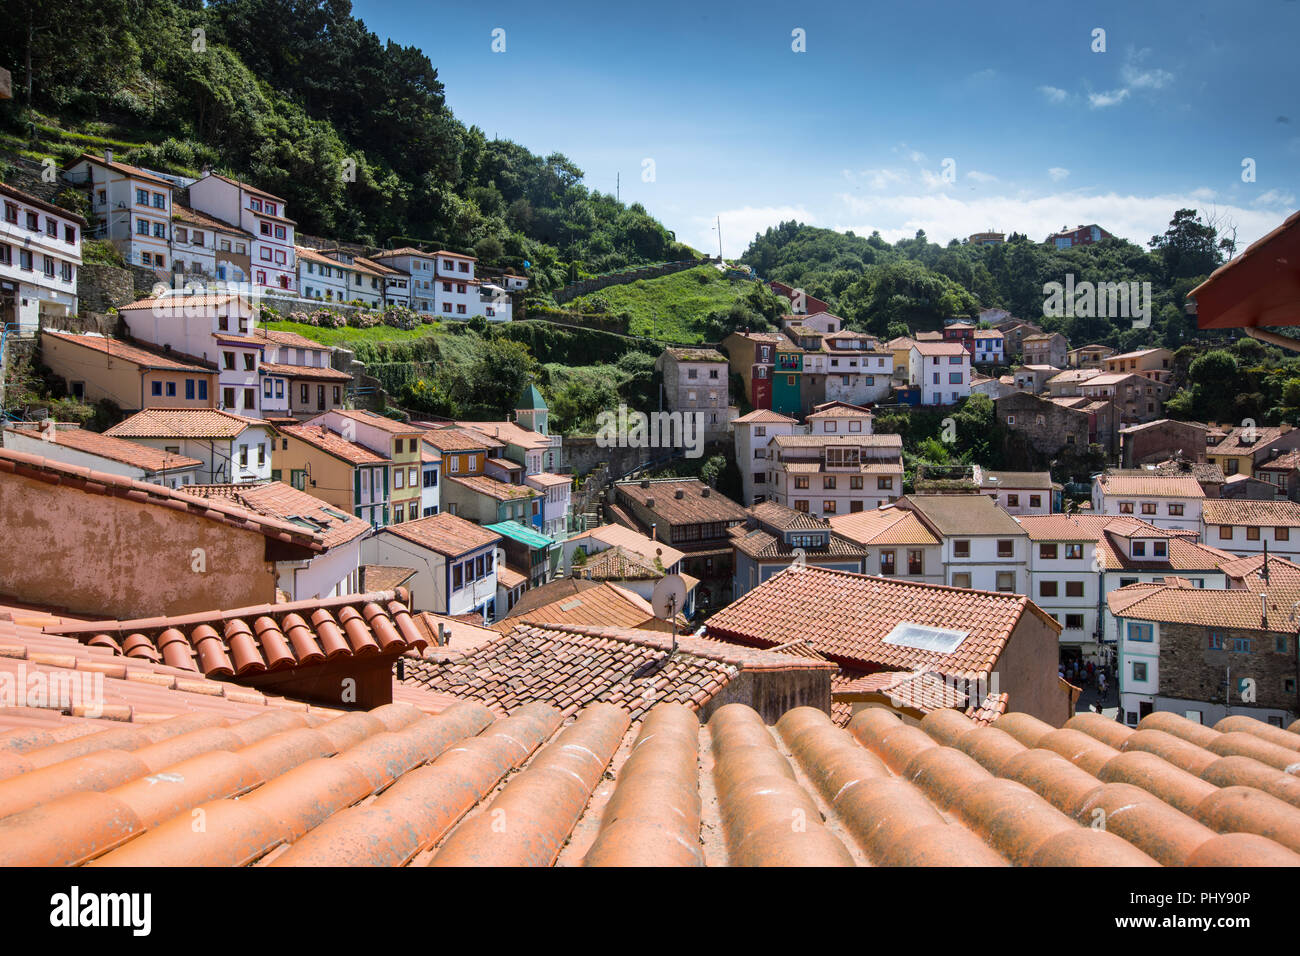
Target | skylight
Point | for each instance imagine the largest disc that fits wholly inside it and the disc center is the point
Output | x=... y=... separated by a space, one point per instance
x=923 y=638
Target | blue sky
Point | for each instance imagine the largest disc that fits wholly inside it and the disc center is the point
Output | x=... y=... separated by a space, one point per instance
x=853 y=133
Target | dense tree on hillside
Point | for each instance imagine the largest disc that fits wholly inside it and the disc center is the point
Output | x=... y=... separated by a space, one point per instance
x=875 y=284
x=301 y=98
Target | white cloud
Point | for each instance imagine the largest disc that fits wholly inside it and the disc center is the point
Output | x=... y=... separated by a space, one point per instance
x=1058 y=173
x=1274 y=197
x=1146 y=79
x=944 y=215
x=1204 y=193
x=876 y=178
x=739 y=226
x=980 y=177
x=1054 y=94
x=1102 y=100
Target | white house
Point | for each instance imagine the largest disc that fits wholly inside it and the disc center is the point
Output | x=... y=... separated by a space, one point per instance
x=556 y=493
x=455 y=563
x=443 y=285
x=337 y=277
x=828 y=474
x=40 y=253
x=856 y=369
x=751 y=434
x=897 y=543
x=941 y=370
x=131 y=207
x=232 y=448
x=1167 y=501
x=273 y=262
x=216 y=327
x=981 y=546
x=1075 y=561
x=205 y=249
x=115 y=456
x=1243 y=527
x=430 y=475
x=1018 y=492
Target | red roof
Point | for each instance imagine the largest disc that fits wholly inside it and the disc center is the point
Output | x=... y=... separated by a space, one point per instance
x=848 y=617
x=148 y=459
x=128 y=352
x=277 y=499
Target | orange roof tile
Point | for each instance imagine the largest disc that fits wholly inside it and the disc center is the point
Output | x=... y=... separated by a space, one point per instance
x=182 y=423
x=883 y=526
x=334 y=444
x=279 y=499
x=147 y=459
x=502 y=491
x=1152 y=486
x=571 y=667
x=1281 y=514
x=576 y=601
x=134 y=353
x=847 y=617
x=445 y=533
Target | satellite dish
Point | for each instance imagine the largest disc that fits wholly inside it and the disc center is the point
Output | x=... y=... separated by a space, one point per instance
x=668 y=597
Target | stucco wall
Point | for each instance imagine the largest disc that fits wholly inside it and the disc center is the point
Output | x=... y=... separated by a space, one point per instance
x=1028 y=672
x=108 y=557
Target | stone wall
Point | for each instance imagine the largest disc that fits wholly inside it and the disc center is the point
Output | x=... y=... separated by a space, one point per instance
x=103 y=287
x=1044 y=426
x=1190 y=670
x=1159 y=441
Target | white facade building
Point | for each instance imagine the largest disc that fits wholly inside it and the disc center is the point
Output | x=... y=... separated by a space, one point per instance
x=941 y=370
x=273 y=262
x=231 y=448
x=130 y=206
x=1167 y=501
x=40 y=254
x=751 y=434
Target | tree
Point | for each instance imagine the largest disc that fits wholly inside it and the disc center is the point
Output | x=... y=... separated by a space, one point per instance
x=497 y=376
x=1189 y=247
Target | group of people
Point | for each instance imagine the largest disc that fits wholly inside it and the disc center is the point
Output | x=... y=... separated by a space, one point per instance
x=1081 y=674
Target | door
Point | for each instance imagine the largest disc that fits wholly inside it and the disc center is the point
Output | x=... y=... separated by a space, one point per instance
x=320 y=398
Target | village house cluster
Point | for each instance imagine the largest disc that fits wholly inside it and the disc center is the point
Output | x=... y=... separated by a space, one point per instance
x=307 y=615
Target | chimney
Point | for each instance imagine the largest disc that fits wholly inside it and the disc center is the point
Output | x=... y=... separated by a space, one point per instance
x=645 y=482
x=654 y=532
x=108 y=154
x=705 y=492
x=649 y=502
x=679 y=494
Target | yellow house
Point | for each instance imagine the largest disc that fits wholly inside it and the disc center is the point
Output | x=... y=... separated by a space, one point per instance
x=1239 y=451
x=343 y=473
x=98 y=367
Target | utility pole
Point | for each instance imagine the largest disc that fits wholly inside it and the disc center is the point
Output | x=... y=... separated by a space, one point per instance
x=719 y=239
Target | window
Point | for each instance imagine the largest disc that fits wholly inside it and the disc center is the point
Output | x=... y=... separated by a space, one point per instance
x=250 y=399
x=1006 y=547
x=1214 y=639
x=1280 y=644
x=1013 y=501
x=828 y=507
x=961 y=579
x=266 y=388
x=855 y=482
x=398 y=474
x=1281 y=534
x=1047 y=589
x=1241 y=645
x=884 y=484
x=1006 y=581
x=801 y=481
x=1047 y=552
x=1175 y=510
x=1074 y=622
x=1252 y=533
x=1139 y=670
x=171 y=389
x=828 y=481
x=1159 y=549
x=1140 y=631
x=243 y=456
x=142 y=197
x=961 y=549
x=1225 y=532
x=1126 y=507
x=141 y=227
x=1035 y=501
x=228 y=361
x=25 y=260
x=304 y=393
x=203 y=389
x=11 y=212
x=457 y=578
x=250 y=362
x=887 y=562
x=156 y=388
x=801 y=504
x=189 y=389
x=400 y=511
x=1148 y=507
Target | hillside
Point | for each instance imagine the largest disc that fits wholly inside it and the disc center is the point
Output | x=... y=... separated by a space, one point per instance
x=302 y=99
x=698 y=305
x=876 y=285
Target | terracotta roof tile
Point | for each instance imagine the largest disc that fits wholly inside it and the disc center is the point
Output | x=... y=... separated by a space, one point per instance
x=1282 y=514
x=847 y=617
x=334 y=443
x=500 y=490
x=1154 y=486
x=148 y=459
x=182 y=423
x=278 y=499
x=445 y=533
x=135 y=353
